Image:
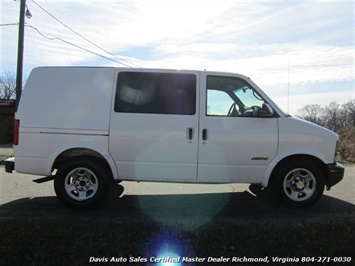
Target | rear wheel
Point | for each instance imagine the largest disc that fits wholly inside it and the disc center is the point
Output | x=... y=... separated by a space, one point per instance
x=299 y=183
x=82 y=183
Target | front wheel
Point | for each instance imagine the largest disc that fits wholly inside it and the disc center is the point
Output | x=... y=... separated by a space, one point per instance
x=82 y=183
x=299 y=183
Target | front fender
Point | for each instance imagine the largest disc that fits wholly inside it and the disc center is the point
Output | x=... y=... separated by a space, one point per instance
x=299 y=151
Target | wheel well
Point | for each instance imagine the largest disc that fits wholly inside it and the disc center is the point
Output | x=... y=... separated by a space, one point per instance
x=285 y=160
x=80 y=152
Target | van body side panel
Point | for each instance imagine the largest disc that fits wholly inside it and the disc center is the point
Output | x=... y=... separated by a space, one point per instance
x=41 y=157
x=67 y=98
x=236 y=149
x=153 y=147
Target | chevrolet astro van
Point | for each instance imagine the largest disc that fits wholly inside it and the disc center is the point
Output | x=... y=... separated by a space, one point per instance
x=87 y=128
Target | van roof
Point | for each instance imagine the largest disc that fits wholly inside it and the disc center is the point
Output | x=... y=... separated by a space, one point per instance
x=152 y=69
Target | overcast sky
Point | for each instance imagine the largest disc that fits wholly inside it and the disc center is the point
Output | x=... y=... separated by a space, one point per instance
x=305 y=48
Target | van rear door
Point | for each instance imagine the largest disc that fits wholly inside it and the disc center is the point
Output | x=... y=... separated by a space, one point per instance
x=154 y=125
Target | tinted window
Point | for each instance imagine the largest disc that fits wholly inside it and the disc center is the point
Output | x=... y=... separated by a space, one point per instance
x=157 y=93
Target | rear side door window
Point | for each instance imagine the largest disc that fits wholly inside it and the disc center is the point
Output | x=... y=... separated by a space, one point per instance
x=156 y=93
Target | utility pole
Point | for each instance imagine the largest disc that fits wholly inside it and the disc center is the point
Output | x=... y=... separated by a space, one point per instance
x=21 y=30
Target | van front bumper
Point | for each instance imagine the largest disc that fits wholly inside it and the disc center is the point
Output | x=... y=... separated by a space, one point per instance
x=9 y=165
x=335 y=174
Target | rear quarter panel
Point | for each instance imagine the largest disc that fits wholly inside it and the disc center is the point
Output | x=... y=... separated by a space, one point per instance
x=62 y=107
x=67 y=98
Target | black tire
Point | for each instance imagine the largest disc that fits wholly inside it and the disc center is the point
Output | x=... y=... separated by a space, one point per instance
x=82 y=183
x=299 y=183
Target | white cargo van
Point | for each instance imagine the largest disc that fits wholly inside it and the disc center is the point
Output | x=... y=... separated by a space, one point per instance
x=87 y=127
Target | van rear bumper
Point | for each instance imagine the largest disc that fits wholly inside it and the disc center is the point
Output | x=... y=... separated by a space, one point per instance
x=335 y=174
x=9 y=165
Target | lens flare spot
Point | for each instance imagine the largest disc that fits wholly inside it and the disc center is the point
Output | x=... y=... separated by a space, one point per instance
x=169 y=258
x=168 y=248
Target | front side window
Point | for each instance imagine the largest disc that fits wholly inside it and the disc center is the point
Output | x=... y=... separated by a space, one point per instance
x=156 y=93
x=230 y=96
x=218 y=102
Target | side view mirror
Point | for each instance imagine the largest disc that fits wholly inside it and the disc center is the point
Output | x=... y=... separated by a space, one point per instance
x=266 y=110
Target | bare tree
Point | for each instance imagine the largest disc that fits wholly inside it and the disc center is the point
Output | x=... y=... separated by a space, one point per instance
x=333 y=116
x=313 y=113
x=339 y=118
x=349 y=112
x=7 y=86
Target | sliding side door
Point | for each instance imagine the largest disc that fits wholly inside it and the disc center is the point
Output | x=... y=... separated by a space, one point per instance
x=154 y=125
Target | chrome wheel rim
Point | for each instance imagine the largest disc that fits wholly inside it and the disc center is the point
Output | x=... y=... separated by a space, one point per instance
x=299 y=184
x=81 y=184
